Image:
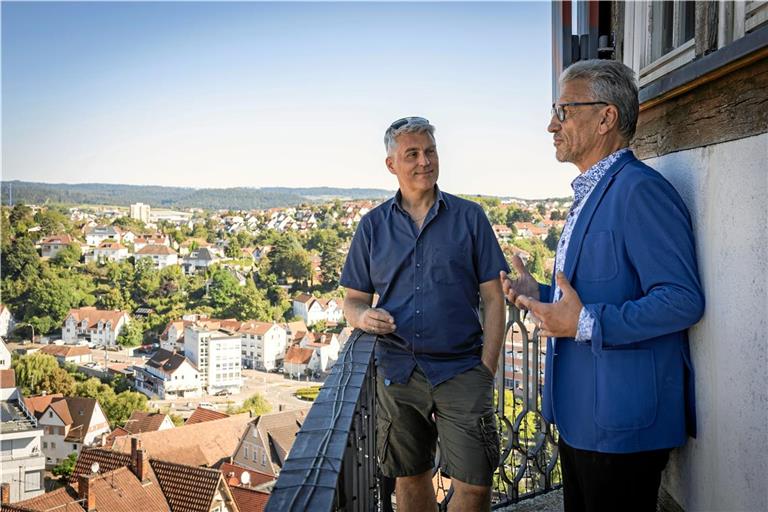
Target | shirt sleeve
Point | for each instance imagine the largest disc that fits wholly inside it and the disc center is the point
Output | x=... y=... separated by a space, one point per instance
x=356 y=273
x=586 y=324
x=488 y=258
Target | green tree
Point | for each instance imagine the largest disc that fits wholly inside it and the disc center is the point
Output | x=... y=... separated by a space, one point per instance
x=223 y=291
x=69 y=256
x=256 y=405
x=497 y=216
x=21 y=258
x=121 y=408
x=37 y=373
x=233 y=249
x=252 y=304
x=132 y=334
x=288 y=259
x=65 y=468
x=553 y=237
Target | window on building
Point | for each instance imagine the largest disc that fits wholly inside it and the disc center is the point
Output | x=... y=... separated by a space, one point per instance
x=32 y=481
x=245 y=452
x=74 y=446
x=263 y=458
x=45 y=445
x=53 y=446
x=255 y=454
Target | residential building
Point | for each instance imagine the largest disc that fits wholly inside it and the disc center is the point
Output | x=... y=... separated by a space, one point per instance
x=95 y=326
x=268 y=440
x=217 y=355
x=68 y=424
x=76 y=354
x=168 y=375
x=22 y=461
x=161 y=255
x=51 y=245
x=142 y=241
x=263 y=345
x=6 y=322
x=107 y=250
x=296 y=332
x=203 y=414
x=140 y=422
x=172 y=338
x=326 y=350
x=313 y=310
x=297 y=360
x=198 y=260
x=95 y=235
x=140 y=211
x=250 y=488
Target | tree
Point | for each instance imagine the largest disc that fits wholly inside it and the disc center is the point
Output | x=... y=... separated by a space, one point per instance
x=132 y=334
x=121 y=408
x=21 y=259
x=65 y=468
x=256 y=405
x=553 y=237
x=69 y=256
x=233 y=249
x=252 y=304
x=223 y=291
x=288 y=259
x=496 y=215
x=37 y=373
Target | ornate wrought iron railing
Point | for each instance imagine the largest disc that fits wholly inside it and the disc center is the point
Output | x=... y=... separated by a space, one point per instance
x=332 y=464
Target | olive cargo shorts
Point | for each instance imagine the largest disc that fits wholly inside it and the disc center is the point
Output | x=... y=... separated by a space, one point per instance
x=459 y=411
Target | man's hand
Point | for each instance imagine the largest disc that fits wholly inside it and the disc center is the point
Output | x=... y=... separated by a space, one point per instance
x=561 y=319
x=525 y=284
x=377 y=321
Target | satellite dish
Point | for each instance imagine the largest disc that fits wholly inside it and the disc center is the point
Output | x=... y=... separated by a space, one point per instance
x=245 y=478
x=95 y=467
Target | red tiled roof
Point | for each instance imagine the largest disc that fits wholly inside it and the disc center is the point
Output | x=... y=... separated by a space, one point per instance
x=121 y=491
x=111 y=245
x=203 y=414
x=118 y=432
x=304 y=298
x=108 y=460
x=257 y=328
x=66 y=350
x=158 y=249
x=61 y=408
x=298 y=355
x=62 y=499
x=93 y=315
x=57 y=239
x=250 y=500
x=188 y=488
x=38 y=404
x=144 y=422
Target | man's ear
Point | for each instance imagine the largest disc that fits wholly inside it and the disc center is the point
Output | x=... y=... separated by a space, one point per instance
x=609 y=120
x=389 y=163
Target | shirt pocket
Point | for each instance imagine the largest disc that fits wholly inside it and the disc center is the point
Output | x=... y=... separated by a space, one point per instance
x=597 y=261
x=449 y=263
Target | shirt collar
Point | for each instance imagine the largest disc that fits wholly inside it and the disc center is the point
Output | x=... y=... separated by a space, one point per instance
x=439 y=199
x=584 y=183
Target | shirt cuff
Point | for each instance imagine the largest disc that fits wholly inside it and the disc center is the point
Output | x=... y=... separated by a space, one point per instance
x=586 y=324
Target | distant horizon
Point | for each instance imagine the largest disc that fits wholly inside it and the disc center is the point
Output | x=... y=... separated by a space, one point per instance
x=4 y=182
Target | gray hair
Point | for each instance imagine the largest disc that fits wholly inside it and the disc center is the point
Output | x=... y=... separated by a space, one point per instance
x=406 y=125
x=612 y=82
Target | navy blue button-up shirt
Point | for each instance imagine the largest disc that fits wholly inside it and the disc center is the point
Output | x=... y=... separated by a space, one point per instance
x=429 y=281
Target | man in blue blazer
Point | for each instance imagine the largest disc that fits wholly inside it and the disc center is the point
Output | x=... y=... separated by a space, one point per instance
x=619 y=380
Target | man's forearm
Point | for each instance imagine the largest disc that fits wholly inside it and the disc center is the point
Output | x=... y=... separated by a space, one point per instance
x=353 y=311
x=493 y=332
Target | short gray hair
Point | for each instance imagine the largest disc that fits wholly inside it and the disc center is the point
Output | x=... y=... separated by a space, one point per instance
x=406 y=125
x=612 y=82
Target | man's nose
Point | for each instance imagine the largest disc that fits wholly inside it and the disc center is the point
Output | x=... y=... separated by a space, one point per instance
x=423 y=160
x=554 y=125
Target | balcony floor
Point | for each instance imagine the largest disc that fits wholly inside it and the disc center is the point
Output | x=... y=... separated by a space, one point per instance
x=550 y=502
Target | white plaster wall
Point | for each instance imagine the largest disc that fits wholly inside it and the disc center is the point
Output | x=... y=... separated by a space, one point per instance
x=725 y=188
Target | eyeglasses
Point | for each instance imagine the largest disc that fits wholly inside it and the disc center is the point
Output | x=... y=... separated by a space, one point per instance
x=559 y=111
x=407 y=120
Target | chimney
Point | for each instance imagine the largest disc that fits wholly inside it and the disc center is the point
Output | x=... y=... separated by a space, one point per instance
x=85 y=494
x=5 y=493
x=139 y=460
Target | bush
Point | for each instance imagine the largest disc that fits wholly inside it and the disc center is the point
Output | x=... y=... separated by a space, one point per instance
x=309 y=394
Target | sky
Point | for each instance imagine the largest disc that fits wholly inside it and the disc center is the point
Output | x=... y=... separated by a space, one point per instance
x=260 y=94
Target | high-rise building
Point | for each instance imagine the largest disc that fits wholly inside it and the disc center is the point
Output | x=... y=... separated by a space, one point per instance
x=140 y=211
x=216 y=354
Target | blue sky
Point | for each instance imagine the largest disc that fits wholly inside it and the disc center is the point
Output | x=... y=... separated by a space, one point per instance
x=276 y=94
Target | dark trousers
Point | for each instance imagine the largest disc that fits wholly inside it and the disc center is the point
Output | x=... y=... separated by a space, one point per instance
x=610 y=482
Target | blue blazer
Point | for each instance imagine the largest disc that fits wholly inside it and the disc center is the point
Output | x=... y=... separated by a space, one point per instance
x=632 y=260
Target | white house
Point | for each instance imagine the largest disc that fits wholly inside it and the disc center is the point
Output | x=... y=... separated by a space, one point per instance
x=6 y=320
x=216 y=354
x=50 y=246
x=199 y=259
x=97 y=234
x=68 y=423
x=76 y=354
x=168 y=375
x=263 y=345
x=107 y=251
x=161 y=255
x=22 y=463
x=153 y=239
x=297 y=361
x=326 y=347
x=313 y=310
x=97 y=326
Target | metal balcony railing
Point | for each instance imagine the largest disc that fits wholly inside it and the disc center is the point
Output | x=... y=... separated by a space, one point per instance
x=332 y=464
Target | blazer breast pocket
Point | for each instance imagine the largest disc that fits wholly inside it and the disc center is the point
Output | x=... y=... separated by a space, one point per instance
x=597 y=261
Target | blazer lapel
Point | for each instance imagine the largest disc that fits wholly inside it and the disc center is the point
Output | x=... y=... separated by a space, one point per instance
x=585 y=216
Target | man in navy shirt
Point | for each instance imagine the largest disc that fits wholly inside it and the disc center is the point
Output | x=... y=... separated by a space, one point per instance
x=429 y=256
